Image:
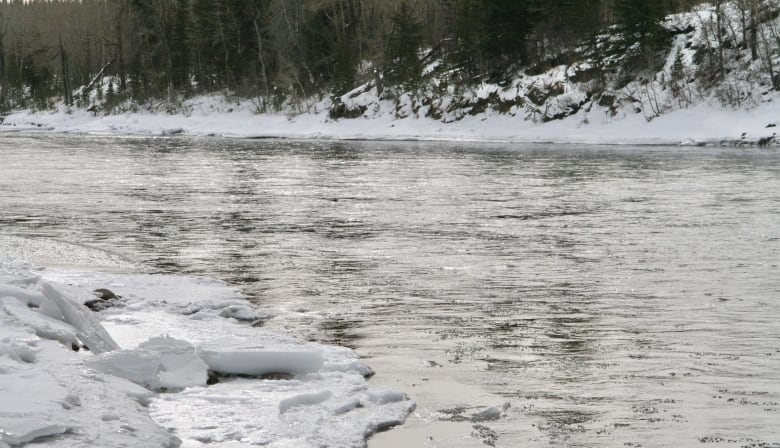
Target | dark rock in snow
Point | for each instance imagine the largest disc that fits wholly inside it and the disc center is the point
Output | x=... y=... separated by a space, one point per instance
x=105 y=299
x=607 y=100
x=105 y=294
x=766 y=141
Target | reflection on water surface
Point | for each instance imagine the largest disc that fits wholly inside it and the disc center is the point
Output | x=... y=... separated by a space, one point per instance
x=594 y=296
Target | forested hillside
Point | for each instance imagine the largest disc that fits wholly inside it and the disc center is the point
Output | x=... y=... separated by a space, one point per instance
x=279 y=52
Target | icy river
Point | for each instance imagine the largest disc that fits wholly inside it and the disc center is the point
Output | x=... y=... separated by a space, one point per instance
x=521 y=295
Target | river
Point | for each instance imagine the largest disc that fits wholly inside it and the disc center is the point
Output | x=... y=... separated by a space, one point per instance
x=522 y=295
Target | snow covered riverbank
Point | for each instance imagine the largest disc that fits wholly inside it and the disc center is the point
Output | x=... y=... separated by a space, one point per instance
x=675 y=103
x=212 y=116
x=705 y=89
x=191 y=371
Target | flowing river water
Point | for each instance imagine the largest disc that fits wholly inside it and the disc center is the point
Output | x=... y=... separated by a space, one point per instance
x=522 y=295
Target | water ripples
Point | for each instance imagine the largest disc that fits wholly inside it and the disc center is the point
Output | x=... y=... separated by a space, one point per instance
x=611 y=297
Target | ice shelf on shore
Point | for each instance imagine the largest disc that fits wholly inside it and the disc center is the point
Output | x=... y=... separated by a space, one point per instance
x=173 y=362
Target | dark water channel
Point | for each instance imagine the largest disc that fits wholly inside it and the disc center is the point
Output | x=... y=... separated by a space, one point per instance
x=618 y=296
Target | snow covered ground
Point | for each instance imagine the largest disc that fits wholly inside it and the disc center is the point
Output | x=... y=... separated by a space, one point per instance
x=175 y=362
x=213 y=116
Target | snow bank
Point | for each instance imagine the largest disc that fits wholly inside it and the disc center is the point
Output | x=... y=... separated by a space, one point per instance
x=176 y=338
x=703 y=123
x=46 y=392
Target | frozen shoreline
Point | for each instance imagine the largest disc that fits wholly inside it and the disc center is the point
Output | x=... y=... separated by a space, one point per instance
x=143 y=380
x=212 y=116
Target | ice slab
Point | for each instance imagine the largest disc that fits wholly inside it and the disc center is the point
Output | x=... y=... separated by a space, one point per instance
x=90 y=332
x=23 y=295
x=44 y=326
x=32 y=404
x=160 y=363
x=230 y=356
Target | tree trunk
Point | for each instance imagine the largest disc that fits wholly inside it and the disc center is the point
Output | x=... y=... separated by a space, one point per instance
x=120 y=48
x=261 y=57
x=769 y=63
x=753 y=32
x=3 y=83
x=67 y=93
x=100 y=74
x=719 y=36
x=380 y=88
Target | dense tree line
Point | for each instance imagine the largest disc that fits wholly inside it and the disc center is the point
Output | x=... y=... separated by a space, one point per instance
x=277 y=49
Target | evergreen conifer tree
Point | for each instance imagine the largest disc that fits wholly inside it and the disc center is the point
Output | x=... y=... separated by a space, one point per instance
x=404 y=43
x=181 y=44
x=641 y=22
